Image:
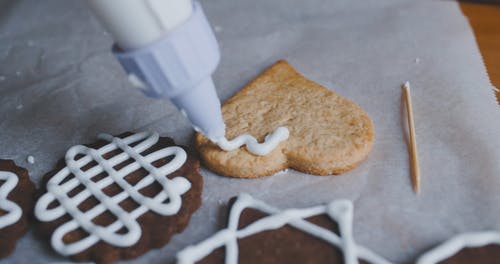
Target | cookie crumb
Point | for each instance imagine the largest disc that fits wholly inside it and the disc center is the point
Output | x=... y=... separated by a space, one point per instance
x=30 y=159
x=19 y=107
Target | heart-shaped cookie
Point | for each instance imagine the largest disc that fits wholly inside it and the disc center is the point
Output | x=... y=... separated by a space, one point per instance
x=329 y=134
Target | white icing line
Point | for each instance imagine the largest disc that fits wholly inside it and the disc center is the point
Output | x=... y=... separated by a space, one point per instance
x=167 y=202
x=457 y=243
x=13 y=211
x=271 y=141
x=340 y=211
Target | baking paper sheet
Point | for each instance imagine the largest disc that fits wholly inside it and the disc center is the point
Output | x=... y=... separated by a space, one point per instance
x=60 y=86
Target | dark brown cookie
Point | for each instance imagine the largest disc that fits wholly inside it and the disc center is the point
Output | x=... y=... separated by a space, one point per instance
x=16 y=185
x=485 y=255
x=156 y=229
x=267 y=235
x=471 y=247
x=282 y=245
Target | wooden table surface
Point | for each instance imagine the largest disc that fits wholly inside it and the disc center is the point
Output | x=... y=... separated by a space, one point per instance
x=485 y=21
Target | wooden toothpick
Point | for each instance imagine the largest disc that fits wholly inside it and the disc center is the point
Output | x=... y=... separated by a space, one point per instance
x=415 y=170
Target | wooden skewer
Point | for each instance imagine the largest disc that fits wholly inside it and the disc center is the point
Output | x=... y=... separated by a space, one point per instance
x=415 y=171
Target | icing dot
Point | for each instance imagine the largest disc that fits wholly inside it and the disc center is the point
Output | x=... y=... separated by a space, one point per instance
x=30 y=159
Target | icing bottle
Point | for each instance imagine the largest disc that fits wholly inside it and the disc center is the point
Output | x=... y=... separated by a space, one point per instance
x=168 y=50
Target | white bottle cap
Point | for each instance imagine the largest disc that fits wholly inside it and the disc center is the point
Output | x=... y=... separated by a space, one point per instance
x=179 y=66
x=136 y=23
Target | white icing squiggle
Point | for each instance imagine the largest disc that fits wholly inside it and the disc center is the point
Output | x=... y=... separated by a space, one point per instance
x=271 y=141
x=13 y=211
x=457 y=243
x=340 y=211
x=166 y=202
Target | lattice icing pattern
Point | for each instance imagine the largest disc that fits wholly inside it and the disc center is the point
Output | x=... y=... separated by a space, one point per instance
x=166 y=202
x=12 y=211
x=341 y=211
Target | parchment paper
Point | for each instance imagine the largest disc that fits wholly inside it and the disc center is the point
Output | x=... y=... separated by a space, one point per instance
x=60 y=86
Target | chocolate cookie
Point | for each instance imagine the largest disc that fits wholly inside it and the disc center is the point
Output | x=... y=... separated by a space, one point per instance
x=259 y=233
x=473 y=247
x=119 y=197
x=16 y=203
